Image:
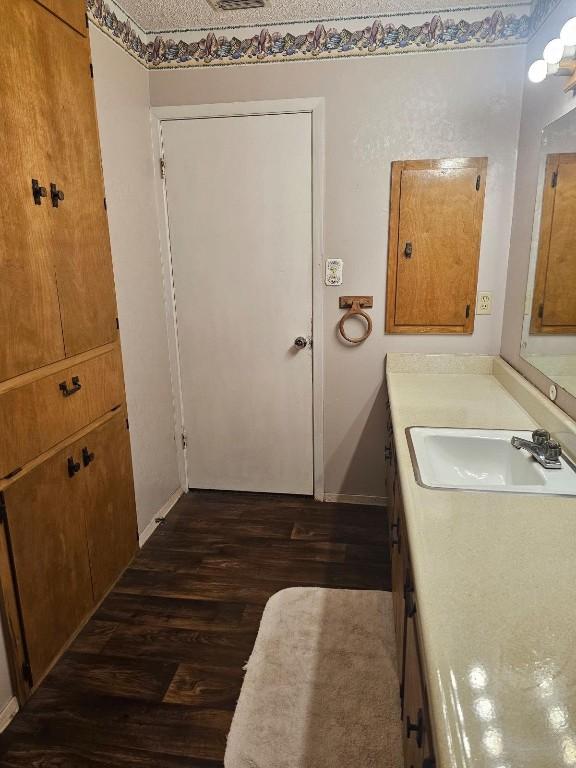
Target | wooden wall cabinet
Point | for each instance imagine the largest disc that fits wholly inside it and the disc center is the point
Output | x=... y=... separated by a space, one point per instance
x=436 y=210
x=67 y=511
x=554 y=303
x=58 y=294
x=418 y=746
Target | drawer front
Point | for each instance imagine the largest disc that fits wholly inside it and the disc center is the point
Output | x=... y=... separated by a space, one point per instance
x=40 y=414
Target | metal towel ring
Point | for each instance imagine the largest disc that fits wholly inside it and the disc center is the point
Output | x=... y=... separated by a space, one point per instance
x=355 y=304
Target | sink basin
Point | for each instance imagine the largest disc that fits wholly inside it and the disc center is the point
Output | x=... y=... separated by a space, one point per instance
x=483 y=460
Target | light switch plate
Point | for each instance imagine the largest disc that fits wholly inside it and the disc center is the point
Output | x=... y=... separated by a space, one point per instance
x=484 y=303
x=334 y=271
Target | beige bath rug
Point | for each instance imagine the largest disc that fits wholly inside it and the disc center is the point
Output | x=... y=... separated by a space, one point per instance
x=321 y=686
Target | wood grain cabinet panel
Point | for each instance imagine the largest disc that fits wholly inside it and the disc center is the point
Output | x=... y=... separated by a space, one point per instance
x=71 y=531
x=30 y=328
x=73 y=12
x=436 y=209
x=109 y=502
x=82 y=255
x=554 y=301
x=47 y=534
x=41 y=412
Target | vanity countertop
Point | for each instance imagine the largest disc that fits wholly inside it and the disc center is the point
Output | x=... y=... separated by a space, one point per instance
x=495 y=577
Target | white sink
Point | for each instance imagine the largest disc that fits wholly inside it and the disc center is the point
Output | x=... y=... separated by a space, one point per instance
x=483 y=460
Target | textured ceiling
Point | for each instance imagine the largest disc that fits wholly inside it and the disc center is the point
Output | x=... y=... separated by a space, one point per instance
x=170 y=15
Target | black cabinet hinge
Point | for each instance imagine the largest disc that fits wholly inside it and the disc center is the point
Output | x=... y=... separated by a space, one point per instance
x=91 y=71
x=117 y=325
x=541 y=311
x=467 y=311
x=127 y=424
x=478 y=183
x=2 y=508
x=86 y=17
x=105 y=205
x=27 y=673
x=554 y=178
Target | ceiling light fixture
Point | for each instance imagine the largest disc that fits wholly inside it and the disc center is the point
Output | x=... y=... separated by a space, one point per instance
x=558 y=58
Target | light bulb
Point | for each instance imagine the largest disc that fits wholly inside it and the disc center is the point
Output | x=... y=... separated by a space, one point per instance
x=553 y=52
x=568 y=32
x=538 y=71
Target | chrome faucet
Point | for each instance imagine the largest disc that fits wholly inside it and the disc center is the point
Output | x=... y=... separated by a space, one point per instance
x=547 y=452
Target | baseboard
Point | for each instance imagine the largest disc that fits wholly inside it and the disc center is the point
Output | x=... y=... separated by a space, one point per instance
x=345 y=498
x=8 y=712
x=161 y=514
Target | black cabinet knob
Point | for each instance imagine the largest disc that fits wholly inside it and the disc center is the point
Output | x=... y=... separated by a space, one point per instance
x=87 y=456
x=56 y=194
x=417 y=728
x=38 y=192
x=73 y=466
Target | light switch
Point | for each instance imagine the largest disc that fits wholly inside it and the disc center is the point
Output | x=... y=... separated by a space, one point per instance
x=334 y=271
x=484 y=303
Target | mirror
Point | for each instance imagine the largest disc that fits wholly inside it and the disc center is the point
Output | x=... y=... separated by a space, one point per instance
x=549 y=330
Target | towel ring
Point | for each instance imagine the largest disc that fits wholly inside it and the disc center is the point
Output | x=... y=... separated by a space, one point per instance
x=355 y=304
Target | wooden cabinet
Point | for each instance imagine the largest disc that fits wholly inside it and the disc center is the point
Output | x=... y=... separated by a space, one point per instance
x=57 y=293
x=69 y=11
x=67 y=510
x=553 y=305
x=71 y=527
x=29 y=305
x=109 y=505
x=418 y=747
x=53 y=404
x=436 y=209
x=47 y=535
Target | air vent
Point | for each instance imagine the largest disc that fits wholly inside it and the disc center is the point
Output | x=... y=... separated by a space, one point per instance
x=237 y=5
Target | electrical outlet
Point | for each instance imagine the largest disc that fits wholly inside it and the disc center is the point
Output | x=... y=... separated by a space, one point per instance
x=484 y=303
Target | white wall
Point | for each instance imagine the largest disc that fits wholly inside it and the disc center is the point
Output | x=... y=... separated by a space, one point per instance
x=424 y=105
x=122 y=100
x=543 y=103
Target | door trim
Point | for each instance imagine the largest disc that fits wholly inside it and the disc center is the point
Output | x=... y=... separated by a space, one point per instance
x=315 y=107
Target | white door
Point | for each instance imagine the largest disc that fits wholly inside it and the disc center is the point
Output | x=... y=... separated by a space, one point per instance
x=239 y=194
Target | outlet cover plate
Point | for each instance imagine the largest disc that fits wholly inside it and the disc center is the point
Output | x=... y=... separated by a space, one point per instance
x=484 y=303
x=334 y=271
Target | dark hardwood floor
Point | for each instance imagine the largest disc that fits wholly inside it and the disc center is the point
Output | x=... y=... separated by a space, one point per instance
x=153 y=679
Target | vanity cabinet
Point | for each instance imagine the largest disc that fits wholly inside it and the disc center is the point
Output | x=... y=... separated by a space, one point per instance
x=418 y=747
x=436 y=211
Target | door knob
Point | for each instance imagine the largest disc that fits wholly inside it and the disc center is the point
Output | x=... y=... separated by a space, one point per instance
x=300 y=342
x=408 y=250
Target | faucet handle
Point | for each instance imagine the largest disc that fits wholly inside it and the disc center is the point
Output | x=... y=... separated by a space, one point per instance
x=540 y=436
x=553 y=449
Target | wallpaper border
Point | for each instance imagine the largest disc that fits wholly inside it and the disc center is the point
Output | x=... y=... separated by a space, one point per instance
x=407 y=33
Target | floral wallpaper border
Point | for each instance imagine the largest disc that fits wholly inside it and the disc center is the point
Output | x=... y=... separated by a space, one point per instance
x=159 y=51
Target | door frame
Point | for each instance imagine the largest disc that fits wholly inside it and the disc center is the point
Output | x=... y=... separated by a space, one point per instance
x=315 y=107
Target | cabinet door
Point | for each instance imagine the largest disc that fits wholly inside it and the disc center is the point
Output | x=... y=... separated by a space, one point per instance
x=109 y=502
x=554 y=306
x=82 y=254
x=47 y=536
x=73 y=12
x=436 y=211
x=399 y=558
x=31 y=333
x=417 y=740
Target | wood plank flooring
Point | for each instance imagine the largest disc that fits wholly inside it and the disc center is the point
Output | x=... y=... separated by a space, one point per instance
x=153 y=679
